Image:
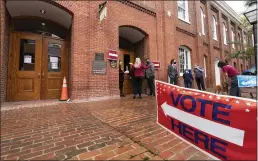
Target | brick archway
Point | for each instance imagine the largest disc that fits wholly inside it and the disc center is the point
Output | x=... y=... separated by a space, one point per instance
x=135 y=40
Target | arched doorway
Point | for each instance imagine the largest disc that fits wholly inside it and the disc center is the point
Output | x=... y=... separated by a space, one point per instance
x=38 y=50
x=132 y=43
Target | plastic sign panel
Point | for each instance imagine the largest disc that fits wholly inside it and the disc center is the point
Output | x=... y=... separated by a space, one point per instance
x=112 y=55
x=156 y=64
x=247 y=81
x=224 y=127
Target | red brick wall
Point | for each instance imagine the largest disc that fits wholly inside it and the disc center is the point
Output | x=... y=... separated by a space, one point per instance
x=90 y=36
x=4 y=49
x=165 y=36
x=80 y=53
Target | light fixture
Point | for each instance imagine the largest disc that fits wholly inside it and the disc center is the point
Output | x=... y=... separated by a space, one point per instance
x=169 y=14
x=251 y=12
x=43 y=24
x=42 y=11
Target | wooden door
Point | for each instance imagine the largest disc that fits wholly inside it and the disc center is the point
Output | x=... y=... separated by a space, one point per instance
x=54 y=68
x=37 y=66
x=25 y=64
x=127 y=57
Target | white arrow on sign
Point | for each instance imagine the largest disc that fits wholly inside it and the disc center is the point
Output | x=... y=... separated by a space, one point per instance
x=221 y=131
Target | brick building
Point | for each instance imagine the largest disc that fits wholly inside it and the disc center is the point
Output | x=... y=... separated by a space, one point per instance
x=43 y=41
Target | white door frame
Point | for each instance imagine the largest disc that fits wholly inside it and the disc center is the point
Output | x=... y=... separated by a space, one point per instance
x=217 y=72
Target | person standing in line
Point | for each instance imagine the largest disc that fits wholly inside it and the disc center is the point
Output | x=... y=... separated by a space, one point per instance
x=131 y=75
x=150 y=75
x=192 y=79
x=138 y=71
x=230 y=75
x=198 y=72
x=173 y=72
x=121 y=80
x=188 y=78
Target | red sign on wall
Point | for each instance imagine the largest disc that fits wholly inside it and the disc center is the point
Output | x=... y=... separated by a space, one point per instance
x=112 y=55
x=223 y=126
x=156 y=64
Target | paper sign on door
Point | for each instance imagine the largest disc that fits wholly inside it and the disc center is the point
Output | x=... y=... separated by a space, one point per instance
x=54 y=65
x=27 y=59
x=53 y=59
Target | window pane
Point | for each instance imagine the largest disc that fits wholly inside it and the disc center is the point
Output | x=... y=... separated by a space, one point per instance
x=181 y=60
x=224 y=34
x=27 y=55
x=181 y=13
x=186 y=60
x=181 y=4
x=205 y=68
x=54 y=57
x=202 y=21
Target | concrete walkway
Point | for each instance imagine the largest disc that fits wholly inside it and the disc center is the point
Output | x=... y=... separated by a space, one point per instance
x=117 y=129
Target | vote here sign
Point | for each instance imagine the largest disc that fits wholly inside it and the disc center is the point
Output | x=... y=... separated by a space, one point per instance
x=223 y=126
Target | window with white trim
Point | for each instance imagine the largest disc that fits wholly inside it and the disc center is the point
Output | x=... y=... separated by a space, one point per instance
x=232 y=38
x=202 y=20
x=239 y=37
x=204 y=64
x=214 y=28
x=184 y=59
x=240 y=40
x=182 y=10
x=245 y=42
x=224 y=34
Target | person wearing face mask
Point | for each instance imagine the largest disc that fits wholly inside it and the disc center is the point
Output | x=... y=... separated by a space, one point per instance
x=150 y=75
x=173 y=72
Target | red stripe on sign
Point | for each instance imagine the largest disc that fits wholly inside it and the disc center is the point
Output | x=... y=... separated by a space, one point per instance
x=209 y=121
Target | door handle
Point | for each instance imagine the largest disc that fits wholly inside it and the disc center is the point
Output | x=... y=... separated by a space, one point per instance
x=43 y=75
x=39 y=75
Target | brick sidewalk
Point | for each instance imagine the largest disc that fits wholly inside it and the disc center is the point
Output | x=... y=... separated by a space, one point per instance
x=119 y=129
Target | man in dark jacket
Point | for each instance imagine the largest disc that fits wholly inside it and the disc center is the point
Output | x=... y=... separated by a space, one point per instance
x=150 y=75
x=173 y=72
x=121 y=80
x=198 y=72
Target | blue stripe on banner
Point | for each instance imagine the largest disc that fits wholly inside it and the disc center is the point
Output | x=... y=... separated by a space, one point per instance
x=247 y=81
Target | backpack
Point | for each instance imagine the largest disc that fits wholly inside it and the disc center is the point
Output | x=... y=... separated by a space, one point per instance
x=198 y=73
